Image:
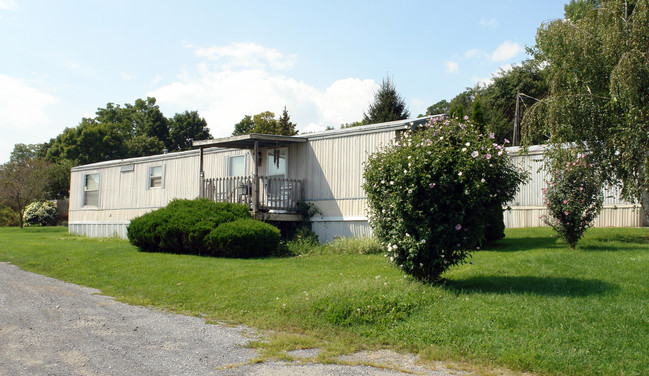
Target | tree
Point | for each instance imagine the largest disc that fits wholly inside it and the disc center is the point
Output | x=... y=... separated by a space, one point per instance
x=353 y=124
x=578 y=9
x=439 y=108
x=118 y=132
x=598 y=73
x=499 y=97
x=22 y=179
x=477 y=114
x=245 y=126
x=265 y=123
x=284 y=125
x=186 y=127
x=388 y=105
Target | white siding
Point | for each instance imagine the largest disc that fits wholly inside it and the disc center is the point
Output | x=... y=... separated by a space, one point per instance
x=527 y=206
x=124 y=192
x=330 y=165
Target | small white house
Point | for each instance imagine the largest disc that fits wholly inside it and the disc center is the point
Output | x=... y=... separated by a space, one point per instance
x=271 y=174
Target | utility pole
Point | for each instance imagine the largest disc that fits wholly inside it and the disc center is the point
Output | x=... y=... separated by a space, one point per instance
x=517 y=122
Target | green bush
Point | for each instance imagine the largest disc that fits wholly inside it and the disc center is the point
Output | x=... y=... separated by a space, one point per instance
x=8 y=217
x=428 y=192
x=495 y=223
x=574 y=197
x=40 y=213
x=181 y=226
x=243 y=238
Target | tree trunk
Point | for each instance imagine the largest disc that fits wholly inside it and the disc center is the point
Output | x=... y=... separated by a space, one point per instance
x=645 y=206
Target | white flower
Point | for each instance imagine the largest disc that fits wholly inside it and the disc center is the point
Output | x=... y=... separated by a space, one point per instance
x=459 y=173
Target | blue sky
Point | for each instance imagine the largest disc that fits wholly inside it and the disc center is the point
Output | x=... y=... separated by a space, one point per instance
x=61 y=60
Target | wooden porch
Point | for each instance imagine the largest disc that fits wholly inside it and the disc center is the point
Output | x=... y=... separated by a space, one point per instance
x=268 y=197
x=276 y=199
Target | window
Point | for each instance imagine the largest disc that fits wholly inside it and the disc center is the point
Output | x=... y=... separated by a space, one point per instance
x=237 y=166
x=276 y=165
x=156 y=177
x=91 y=190
x=129 y=168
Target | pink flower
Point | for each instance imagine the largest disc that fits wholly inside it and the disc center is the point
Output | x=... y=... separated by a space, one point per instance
x=492 y=136
x=488 y=156
x=466 y=117
x=458 y=227
x=475 y=154
x=565 y=202
x=565 y=212
x=432 y=185
x=506 y=141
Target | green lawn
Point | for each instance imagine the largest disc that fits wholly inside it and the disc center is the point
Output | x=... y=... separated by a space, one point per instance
x=527 y=304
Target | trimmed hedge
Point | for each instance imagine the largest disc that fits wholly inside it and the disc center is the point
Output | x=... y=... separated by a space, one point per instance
x=244 y=238
x=183 y=226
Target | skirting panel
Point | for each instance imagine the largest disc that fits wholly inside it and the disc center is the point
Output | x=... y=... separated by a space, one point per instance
x=328 y=230
x=99 y=229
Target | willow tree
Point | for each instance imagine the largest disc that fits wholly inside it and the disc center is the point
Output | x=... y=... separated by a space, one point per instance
x=597 y=63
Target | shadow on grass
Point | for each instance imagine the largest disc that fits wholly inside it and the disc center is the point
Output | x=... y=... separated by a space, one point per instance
x=615 y=242
x=523 y=244
x=543 y=286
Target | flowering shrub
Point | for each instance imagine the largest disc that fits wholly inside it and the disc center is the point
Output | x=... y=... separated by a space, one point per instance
x=40 y=213
x=573 y=198
x=428 y=194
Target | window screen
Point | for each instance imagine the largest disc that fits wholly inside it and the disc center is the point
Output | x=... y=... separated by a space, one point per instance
x=91 y=190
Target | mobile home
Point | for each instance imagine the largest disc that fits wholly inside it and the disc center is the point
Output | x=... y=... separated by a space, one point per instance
x=272 y=174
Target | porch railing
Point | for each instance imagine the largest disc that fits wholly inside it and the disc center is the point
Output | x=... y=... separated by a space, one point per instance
x=276 y=194
x=234 y=189
x=279 y=194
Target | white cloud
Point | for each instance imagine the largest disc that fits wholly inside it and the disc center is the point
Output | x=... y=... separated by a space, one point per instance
x=476 y=54
x=452 y=67
x=128 y=76
x=506 y=50
x=8 y=5
x=246 y=55
x=483 y=81
x=223 y=95
x=489 y=23
x=24 y=115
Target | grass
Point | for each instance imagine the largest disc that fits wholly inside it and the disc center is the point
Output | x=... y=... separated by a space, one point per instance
x=528 y=304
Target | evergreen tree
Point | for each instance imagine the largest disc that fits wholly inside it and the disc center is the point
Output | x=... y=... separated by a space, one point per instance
x=388 y=105
x=285 y=126
x=477 y=114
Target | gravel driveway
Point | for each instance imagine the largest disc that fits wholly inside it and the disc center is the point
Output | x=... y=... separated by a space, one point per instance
x=50 y=327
